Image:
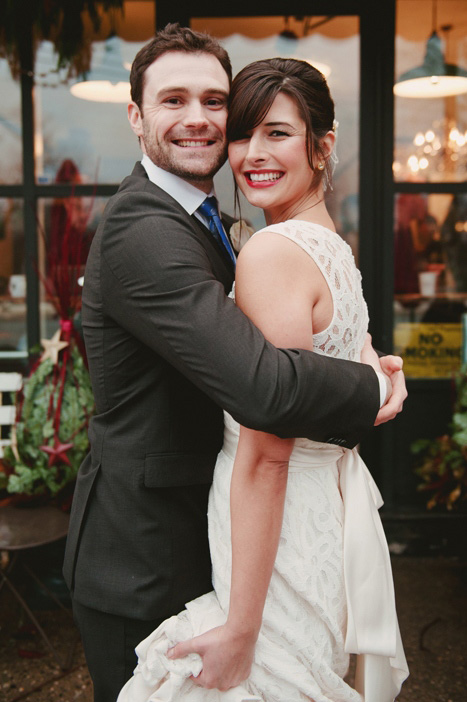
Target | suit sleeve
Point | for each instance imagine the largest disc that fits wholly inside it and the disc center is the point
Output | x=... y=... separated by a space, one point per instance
x=158 y=284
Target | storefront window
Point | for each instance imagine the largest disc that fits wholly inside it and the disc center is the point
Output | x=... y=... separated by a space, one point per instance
x=93 y=134
x=430 y=282
x=11 y=170
x=430 y=131
x=66 y=230
x=12 y=278
x=430 y=245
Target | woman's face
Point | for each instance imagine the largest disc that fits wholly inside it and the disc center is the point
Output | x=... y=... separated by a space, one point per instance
x=270 y=163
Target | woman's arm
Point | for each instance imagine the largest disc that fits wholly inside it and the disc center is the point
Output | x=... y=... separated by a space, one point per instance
x=277 y=286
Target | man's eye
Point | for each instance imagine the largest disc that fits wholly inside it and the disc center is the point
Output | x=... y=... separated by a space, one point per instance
x=215 y=102
x=173 y=101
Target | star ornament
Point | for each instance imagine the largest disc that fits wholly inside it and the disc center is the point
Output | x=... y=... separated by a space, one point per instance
x=52 y=347
x=57 y=452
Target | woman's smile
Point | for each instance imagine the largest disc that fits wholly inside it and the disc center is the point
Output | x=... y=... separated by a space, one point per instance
x=262 y=179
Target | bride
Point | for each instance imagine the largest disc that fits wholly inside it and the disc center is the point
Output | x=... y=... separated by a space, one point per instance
x=301 y=569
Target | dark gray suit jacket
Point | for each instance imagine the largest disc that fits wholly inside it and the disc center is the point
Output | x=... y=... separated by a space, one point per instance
x=167 y=350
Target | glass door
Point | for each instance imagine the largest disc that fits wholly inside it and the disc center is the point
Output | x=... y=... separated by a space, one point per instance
x=430 y=183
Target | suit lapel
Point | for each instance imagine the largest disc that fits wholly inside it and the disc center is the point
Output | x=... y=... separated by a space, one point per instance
x=222 y=268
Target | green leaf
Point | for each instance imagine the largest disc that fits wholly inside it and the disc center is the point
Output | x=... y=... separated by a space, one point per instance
x=48 y=429
x=420 y=445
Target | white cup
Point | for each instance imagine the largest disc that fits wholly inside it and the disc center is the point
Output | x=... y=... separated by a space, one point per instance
x=17 y=286
x=427 y=283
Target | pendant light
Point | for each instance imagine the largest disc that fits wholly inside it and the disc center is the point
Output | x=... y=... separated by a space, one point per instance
x=108 y=82
x=434 y=78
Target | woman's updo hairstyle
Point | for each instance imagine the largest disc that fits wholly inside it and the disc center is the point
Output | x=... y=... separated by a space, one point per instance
x=257 y=85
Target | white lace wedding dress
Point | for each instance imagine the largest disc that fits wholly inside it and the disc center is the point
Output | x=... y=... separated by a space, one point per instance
x=331 y=592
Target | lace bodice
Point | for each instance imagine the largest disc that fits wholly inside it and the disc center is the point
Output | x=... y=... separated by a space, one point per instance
x=345 y=335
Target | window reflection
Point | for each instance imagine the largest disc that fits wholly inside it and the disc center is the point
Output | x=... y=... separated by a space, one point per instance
x=67 y=227
x=12 y=277
x=430 y=133
x=11 y=170
x=95 y=135
x=430 y=282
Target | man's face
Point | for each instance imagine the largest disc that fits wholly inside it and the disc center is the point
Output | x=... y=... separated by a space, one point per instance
x=184 y=112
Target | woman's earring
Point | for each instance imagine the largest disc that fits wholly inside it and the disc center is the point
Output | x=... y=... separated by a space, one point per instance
x=321 y=166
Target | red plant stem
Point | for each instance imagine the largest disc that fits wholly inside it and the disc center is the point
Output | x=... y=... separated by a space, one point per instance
x=66 y=326
x=58 y=408
x=52 y=394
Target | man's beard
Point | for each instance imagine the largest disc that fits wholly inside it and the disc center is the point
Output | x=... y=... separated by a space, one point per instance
x=190 y=167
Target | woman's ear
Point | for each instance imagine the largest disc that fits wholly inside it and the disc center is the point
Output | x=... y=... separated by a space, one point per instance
x=327 y=144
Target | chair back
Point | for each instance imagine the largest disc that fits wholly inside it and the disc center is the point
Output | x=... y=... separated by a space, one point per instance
x=9 y=383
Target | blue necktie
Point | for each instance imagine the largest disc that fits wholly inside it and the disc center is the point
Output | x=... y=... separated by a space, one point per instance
x=208 y=208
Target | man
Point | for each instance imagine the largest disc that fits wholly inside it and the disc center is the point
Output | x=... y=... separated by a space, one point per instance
x=167 y=350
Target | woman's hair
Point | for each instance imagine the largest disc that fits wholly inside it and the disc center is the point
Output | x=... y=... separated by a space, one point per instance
x=174 y=38
x=255 y=88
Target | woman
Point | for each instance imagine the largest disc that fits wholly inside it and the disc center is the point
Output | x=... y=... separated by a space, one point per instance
x=303 y=578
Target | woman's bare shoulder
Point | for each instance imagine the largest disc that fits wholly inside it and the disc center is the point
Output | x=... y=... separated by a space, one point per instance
x=268 y=244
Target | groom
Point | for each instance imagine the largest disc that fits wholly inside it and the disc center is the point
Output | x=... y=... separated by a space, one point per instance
x=167 y=350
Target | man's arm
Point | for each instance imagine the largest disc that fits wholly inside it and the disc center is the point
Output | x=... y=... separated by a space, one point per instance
x=159 y=280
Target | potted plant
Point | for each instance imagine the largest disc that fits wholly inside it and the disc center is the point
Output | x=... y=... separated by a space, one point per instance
x=441 y=463
x=53 y=410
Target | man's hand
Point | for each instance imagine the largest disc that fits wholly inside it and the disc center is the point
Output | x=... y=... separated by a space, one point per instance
x=227 y=657
x=392 y=368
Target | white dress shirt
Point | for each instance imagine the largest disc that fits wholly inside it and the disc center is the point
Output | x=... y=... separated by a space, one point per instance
x=189 y=197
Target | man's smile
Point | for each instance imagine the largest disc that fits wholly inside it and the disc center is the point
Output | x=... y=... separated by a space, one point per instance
x=193 y=143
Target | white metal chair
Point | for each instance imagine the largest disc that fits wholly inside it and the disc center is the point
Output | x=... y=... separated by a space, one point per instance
x=9 y=383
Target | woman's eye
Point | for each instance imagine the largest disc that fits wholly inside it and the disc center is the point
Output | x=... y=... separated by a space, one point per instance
x=278 y=133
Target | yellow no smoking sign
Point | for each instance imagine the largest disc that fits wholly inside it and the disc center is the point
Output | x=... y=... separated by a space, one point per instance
x=428 y=350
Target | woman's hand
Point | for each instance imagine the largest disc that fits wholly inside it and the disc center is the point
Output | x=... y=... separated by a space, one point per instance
x=391 y=367
x=227 y=656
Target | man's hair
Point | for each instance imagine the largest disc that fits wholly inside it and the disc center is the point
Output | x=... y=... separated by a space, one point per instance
x=174 y=38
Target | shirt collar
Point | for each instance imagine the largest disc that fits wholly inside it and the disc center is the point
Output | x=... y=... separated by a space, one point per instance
x=189 y=197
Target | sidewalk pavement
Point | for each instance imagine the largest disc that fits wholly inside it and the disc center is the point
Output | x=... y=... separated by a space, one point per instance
x=431 y=597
